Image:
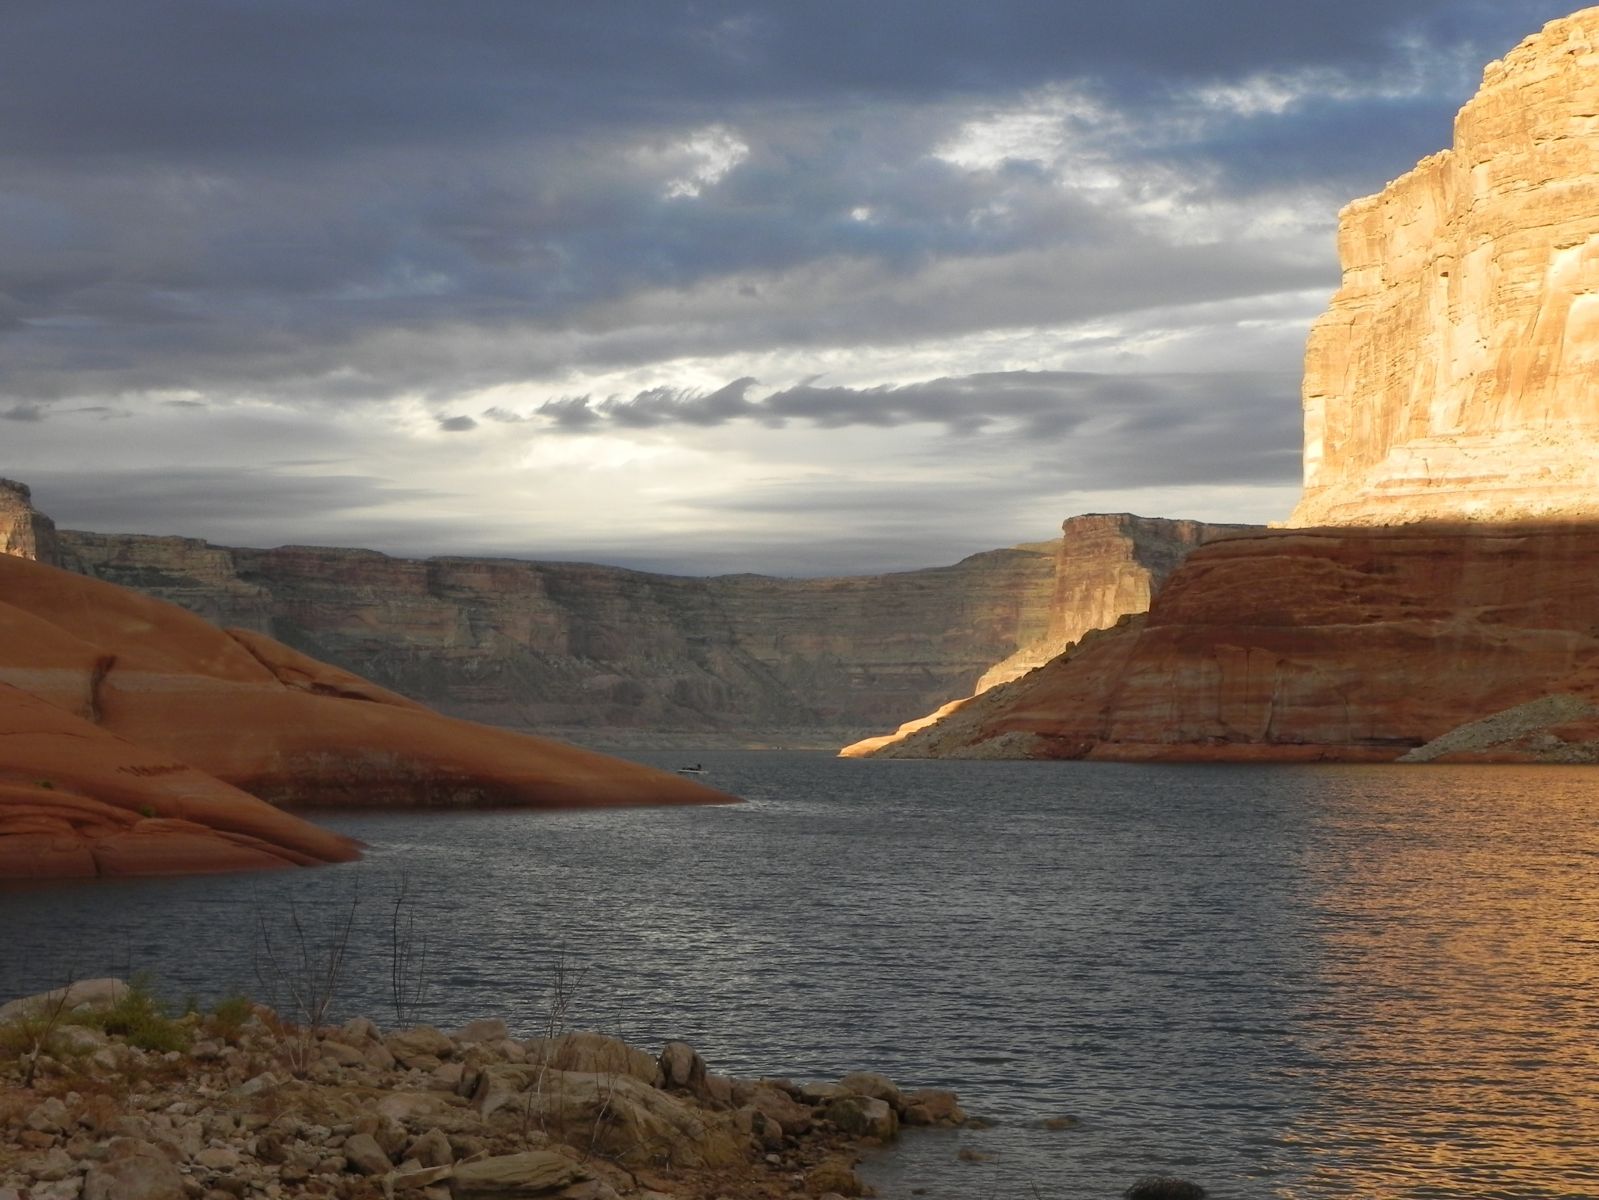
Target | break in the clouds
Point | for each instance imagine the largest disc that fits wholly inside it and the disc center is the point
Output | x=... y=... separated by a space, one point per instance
x=697 y=286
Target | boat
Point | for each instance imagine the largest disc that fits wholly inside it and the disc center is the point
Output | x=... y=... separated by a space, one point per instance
x=696 y=769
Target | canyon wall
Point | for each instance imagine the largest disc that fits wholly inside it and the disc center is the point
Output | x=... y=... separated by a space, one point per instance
x=1435 y=598
x=24 y=531
x=628 y=654
x=1352 y=645
x=1455 y=374
x=1106 y=566
x=576 y=646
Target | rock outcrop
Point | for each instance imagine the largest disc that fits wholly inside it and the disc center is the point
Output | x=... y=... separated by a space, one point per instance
x=1354 y=645
x=581 y=647
x=1454 y=375
x=1107 y=566
x=24 y=530
x=140 y=739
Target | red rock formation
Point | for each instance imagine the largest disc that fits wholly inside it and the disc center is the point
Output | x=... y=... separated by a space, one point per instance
x=1348 y=644
x=135 y=733
x=1107 y=566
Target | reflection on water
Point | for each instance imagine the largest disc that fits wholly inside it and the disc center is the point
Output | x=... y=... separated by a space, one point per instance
x=1295 y=982
x=1458 y=950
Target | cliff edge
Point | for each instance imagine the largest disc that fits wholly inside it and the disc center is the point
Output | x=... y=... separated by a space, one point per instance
x=1453 y=376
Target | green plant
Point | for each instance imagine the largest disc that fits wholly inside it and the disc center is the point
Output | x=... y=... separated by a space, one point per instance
x=228 y=1018
x=147 y=810
x=29 y=1036
x=140 y=1017
x=47 y=785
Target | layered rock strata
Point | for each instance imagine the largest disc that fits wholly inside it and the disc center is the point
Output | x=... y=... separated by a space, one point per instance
x=140 y=739
x=585 y=647
x=1355 y=645
x=24 y=531
x=1107 y=566
x=1454 y=375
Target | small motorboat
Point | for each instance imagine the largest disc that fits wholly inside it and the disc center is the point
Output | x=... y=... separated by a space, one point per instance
x=696 y=769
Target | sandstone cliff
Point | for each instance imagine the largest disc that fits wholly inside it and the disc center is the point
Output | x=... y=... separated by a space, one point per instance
x=1107 y=565
x=24 y=530
x=1455 y=373
x=578 y=646
x=139 y=739
x=1357 y=644
x=583 y=647
x=1448 y=392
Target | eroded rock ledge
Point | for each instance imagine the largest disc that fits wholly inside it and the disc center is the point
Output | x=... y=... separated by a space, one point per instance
x=1322 y=644
x=251 y=1106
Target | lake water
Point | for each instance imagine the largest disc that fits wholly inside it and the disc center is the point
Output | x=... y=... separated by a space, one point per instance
x=1280 y=982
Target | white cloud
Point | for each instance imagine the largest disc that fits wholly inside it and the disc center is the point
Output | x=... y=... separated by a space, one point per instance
x=710 y=153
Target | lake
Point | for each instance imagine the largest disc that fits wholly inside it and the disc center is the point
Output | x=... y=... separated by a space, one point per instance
x=1277 y=981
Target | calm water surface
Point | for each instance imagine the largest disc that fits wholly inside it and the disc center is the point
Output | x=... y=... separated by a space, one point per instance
x=1295 y=982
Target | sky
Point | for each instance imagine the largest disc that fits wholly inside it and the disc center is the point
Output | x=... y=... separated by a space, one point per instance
x=800 y=287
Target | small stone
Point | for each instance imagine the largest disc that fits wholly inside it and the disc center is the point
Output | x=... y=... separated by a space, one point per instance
x=418 y=1045
x=218 y=1158
x=365 y=1155
x=873 y=1085
x=485 y=1029
x=681 y=1065
x=416 y=1180
x=1056 y=1124
x=431 y=1149
x=508 y=1175
x=341 y=1055
x=49 y=1116
x=134 y=1171
x=821 y=1093
x=52 y=1165
x=835 y=1175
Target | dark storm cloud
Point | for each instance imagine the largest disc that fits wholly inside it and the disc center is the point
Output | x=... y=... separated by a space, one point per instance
x=228 y=503
x=197 y=78
x=456 y=424
x=1153 y=418
x=328 y=203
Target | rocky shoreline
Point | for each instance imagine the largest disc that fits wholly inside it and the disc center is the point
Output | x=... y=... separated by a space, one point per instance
x=102 y=1097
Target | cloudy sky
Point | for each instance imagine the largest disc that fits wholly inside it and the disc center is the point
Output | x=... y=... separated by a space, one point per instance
x=795 y=286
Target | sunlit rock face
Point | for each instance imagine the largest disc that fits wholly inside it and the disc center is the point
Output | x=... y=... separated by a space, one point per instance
x=24 y=531
x=1107 y=565
x=1456 y=374
x=1352 y=644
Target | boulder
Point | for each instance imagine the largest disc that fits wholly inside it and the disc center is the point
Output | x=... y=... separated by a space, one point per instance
x=133 y=1170
x=793 y=1116
x=419 y=1044
x=869 y=1083
x=513 y=1176
x=596 y=1052
x=681 y=1066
